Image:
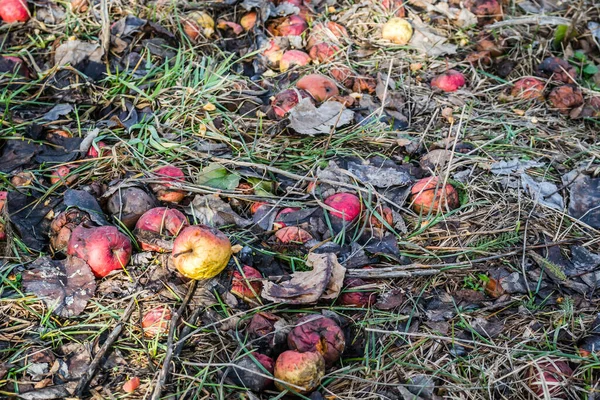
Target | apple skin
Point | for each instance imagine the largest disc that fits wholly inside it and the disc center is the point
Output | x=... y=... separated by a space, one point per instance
x=104 y=248
x=528 y=89
x=320 y=334
x=156 y=321
x=564 y=98
x=292 y=235
x=301 y=369
x=364 y=298
x=247 y=286
x=553 y=373
x=318 y=86
x=168 y=174
x=248 y=20
x=93 y=153
x=285 y=100
x=293 y=25
x=427 y=195
x=347 y=206
x=323 y=52
x=129 y=204
x=201 y=252
x=450 y=81
x=160 y=221
x=14 y=11
x=293 y=57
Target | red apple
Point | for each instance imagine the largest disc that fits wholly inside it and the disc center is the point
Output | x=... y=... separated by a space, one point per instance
x=294 y=25
x=356 y=297
x=330 y=32
x=346 y=206
x=201 y=252
x=93 y=152
x=3 y=198
x=293 y=58
x=292 y=235
x=528 y=89
x=159 y=225
x=565 y=98
x=248 y=285
x=284 y=101
x=320 y=334
x=450 y=81
x=304 y=370
x=131 y=385
x=104 y=248
x=323 y=52
x=278 y=224
x=549 y=377
x=427 y=195
x=156 y=321
x=168 y=174
x=62 y=174
x=14 y=11
x=318 y=86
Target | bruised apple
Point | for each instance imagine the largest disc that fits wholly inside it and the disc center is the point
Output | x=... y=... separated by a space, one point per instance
x=427 y=195
x=356 y=297
x=62 y=174
x=201 y=252
x=278 y=224
x=528 y=89
x=565 y=98
x=346 y=206
x=486 y=10
x=397 y=30
x=14 y=11
x=385 y=215
x=450 y=81
x=318 y=86
x=159 y=225
x=323 y=52
x=274 y=53
x=292 y=235
x=156 y=321
x=330 y=32
x=129 y=204
x=95 y=150
x=294 y=25
x=252 y=372
x=163 y=191
x=104 y=248
x=303 y=370
x=320 y=334
x=63 y=225
x=198 y=22
x=292 y=58
x=557 y=69
x=549 y=376
x=284 y=101
x=248 y=285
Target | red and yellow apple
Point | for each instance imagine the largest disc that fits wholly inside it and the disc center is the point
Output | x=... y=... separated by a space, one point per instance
x=247 y=285
x=429 y=195
x=319 y=334
x=14 y=11
x=318 y=86
x=163 y=191
x=303 y=370
x=160 y=222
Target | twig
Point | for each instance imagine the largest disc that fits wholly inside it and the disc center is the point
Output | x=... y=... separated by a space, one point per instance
x=105 y=27
x=187 y=329
x=542 y=20
x=375 y=273
x=89 y=374
x=164 y=372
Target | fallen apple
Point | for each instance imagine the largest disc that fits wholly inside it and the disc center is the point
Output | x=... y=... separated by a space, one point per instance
x=343 y=75
x=557 y=69
x=95 y=150
x=104 y=248
x=127 y=205
x=486 y=10
x=292 y=235
x=397 y=30
x=293 y=58
x=346 y=206
x=353 y=296
x=385 y=215
x=450 y=81
x=62 y=174
x=249 y=374
x=294 y=25
x=22 y=179
x=79 y=5
x=428 y=195
x=319 y=334
x=14 y=11
x=323 y=52
x=247 y=285
x=198 y=22
x=329 y=32
x=273 y=54
x=564 y=98
x=63 y=225
x=278 y=224
x=201 y=252
x=248 y=20
x=303 y=370
x=528 y=89
x=156 y=322
x=3 y=198
x=230 y=26
x=13 y=65
x=159 y=223
x=162 y=190
x=550 y=377
x=284 y=101
x=131 y=385
x=318 y=86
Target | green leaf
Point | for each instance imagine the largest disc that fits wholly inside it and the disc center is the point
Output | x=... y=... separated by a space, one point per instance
x=216 y=176
x=590 y=69
x=580 y=56
x=261 y=187
x=559 y=35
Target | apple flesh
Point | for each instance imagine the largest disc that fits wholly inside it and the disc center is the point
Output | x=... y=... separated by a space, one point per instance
x=319 y=334
x=168 y=174
x=104 y=248
x=528 y=89
x=428 y=195
x=293 y=58
x=248 y=285
x=565 y=98
x=397 y=30
x=201 y=252
x=304 y=370
x=450 y=81
x=156 y=322
x=162 y=223
x=63 y=225
x=14 y=11
x=346 y=206
x=318 y=86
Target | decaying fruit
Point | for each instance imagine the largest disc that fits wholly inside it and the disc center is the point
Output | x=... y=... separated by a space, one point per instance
x=63 y=224
x=248 y=20
x=352 y=295
x=131 y=385
x=566 y=97
x=96 y=150
x=156 y=322
x=557 y=69
x=278 y=224
x=62 y=175
x=13 y=65
x=14 y=11
x=346 y=206
x=486 y=10
x=318 y=86
x=292 y=235
x=247 y=285
x=247 y=373
x=198 y=22
x=329 y=32
x=293 y=58
x=303 y=370
x=550 y=377
x=273 y=53
x=129 y=204
x=284 y=101
x=163 y=191
x=104 y=248
x=528 y=89
x=385 y=215
x=323 y=52
x=450 y=81
x=201 y=252
x=397 y=30
x=429 y=195
x=294 y=25
x=320 y=334
x=158 y=226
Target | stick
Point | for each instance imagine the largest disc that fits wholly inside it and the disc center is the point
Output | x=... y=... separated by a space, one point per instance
x=105 y=27
x=91 y=371
x=164 y=372
x=186 y=330
x=543 y=20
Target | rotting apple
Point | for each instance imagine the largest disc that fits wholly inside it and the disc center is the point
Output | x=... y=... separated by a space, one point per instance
x=528 y=89
x=14 y=11
x=249 y=374
x=273 y=53
x=304 y=370
x=62 y=174
x=318 y=86
x=486 y=10
x=63 y=225
x=364 y=84
x=104 y=248
x=131 y=385
x=163 y=191
x=346 y=206
x=284 y=101
x=23 y=178
x=549 y=376
x=3 y=198
x=156 y=321
x=248 y=20
x=14 y=65
x=330 y=32
x=278 y=223
x=129 y=204
x=353 y=296
x=557 y=69
x=323 y=52
x=198 y=22
x=232 y=26
x=428 y=195
x=255 y=206
x=247 y=285
x=385 y=215
x=201 y=252
x=79 y=5
x=293 y=58
x=96 y=150
x=449 y=81
x=292 y=235
x=343 y=75
x=487 y=44
x=294 y=25
x=320 y=334
x=564 y=98
x=159 y=223
x=397 y=30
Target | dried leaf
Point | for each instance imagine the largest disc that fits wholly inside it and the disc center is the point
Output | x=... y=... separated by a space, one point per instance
x=584 y=200
x=338 y=272
x=47 y=393
x=57 y=111
x=545 y=193
x=74 y=52
x=64 y=285
x=211 y=210
x=307 y=119
x=513 y=166
x=425 y=40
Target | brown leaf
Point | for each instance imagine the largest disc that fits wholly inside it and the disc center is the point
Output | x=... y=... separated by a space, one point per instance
x=211 y=210
x=64 y=285
x=338 y=272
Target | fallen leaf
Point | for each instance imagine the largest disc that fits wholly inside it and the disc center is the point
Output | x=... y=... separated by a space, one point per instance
x=338 y=272
x=211 y=210
x=217 y=176
x=584 y=200
x=74 y=52
x=383 y=176
x=545 y=193
x=436 y=159
x=47 y=393
x=513 y=166
x=307 y=119
x=427 y=41
x=64 y=285
x=57 y=111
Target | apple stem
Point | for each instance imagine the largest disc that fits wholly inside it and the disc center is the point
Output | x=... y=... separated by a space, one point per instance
x=182 y=252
